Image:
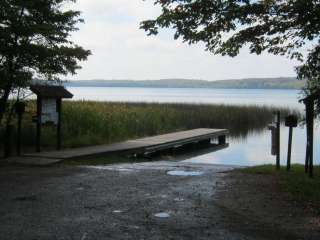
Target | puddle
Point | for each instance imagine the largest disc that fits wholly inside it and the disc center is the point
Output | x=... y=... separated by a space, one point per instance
x=184 y=173
x=178 y=199
x=162 y=215
x=117 y=211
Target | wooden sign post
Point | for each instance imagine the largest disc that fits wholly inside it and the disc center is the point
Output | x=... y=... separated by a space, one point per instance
x=275 y=138
x=309 y=103
x=310 y=128
x=274 y=144
x=291 y=121
x=49 y=106
x=19 y=109
x=278 y=138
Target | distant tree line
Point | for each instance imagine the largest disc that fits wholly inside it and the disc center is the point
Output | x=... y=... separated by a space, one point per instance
x=254 y=83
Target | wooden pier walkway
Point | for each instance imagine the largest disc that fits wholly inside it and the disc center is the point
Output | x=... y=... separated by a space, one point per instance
x=142 y=145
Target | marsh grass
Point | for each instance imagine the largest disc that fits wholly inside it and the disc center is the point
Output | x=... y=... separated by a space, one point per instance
x=89 y=123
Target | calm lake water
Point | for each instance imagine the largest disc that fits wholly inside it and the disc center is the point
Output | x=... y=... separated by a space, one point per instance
x=286 y=98
x=253 y=150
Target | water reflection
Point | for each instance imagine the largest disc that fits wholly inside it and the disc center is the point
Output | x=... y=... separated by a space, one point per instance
x=255 y=149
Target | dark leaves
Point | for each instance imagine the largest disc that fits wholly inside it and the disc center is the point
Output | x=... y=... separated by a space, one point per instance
x=280 y=27
x=34 y=40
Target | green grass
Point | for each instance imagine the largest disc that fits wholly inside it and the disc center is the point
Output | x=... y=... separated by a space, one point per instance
x=295 y=182
x=89 y=123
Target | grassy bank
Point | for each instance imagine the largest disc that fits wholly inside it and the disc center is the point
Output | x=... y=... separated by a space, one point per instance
x=89 y=123
x=296 y=182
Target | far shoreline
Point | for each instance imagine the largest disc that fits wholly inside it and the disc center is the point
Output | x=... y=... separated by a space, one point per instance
x=248 y=83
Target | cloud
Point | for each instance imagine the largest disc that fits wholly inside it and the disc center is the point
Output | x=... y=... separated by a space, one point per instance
x=122 y=50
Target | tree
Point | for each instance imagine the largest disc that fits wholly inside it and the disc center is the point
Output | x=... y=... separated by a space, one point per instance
x=34 y=43
x=280 y=27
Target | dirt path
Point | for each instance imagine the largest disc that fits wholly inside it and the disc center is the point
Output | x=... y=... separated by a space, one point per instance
x=122 y=202
x=265 y=211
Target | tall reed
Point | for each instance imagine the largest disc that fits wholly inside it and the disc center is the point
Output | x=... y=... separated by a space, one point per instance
x=89 y=123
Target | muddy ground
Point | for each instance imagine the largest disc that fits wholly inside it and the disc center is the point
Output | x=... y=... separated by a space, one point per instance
x=122 y=202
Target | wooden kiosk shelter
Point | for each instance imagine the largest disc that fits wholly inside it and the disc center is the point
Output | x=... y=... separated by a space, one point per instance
x=309 y=102
x=49 y=99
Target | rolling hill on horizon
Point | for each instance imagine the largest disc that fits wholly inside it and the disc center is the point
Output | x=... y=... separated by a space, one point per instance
x=248 y=83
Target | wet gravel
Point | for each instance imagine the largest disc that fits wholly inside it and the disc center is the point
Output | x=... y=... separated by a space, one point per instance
x=118 y=202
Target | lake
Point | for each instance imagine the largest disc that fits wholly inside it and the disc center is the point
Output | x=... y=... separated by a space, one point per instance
x=253 y=150
x=285 y=98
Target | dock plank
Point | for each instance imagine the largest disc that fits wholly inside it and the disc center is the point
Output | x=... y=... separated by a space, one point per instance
x=154 y=142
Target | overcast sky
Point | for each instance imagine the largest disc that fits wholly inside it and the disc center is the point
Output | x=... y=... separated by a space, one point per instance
x=120 y=50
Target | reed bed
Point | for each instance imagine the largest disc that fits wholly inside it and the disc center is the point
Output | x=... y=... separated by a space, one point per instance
x=89 y=123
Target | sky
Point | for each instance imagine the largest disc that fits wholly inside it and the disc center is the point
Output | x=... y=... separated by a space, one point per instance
x=120 y=50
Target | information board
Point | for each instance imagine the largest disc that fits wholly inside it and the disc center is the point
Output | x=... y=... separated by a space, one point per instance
x=49 y=111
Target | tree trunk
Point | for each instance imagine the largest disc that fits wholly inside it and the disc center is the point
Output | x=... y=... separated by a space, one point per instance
x=7 y=89
x=3 y=101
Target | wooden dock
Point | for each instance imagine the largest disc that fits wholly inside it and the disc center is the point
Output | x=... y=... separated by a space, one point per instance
x=142 y=145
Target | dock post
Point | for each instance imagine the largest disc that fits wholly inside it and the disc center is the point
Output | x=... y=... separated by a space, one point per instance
x=222 y=139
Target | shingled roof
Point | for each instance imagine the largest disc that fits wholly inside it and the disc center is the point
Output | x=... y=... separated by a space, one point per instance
x=46 y=91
